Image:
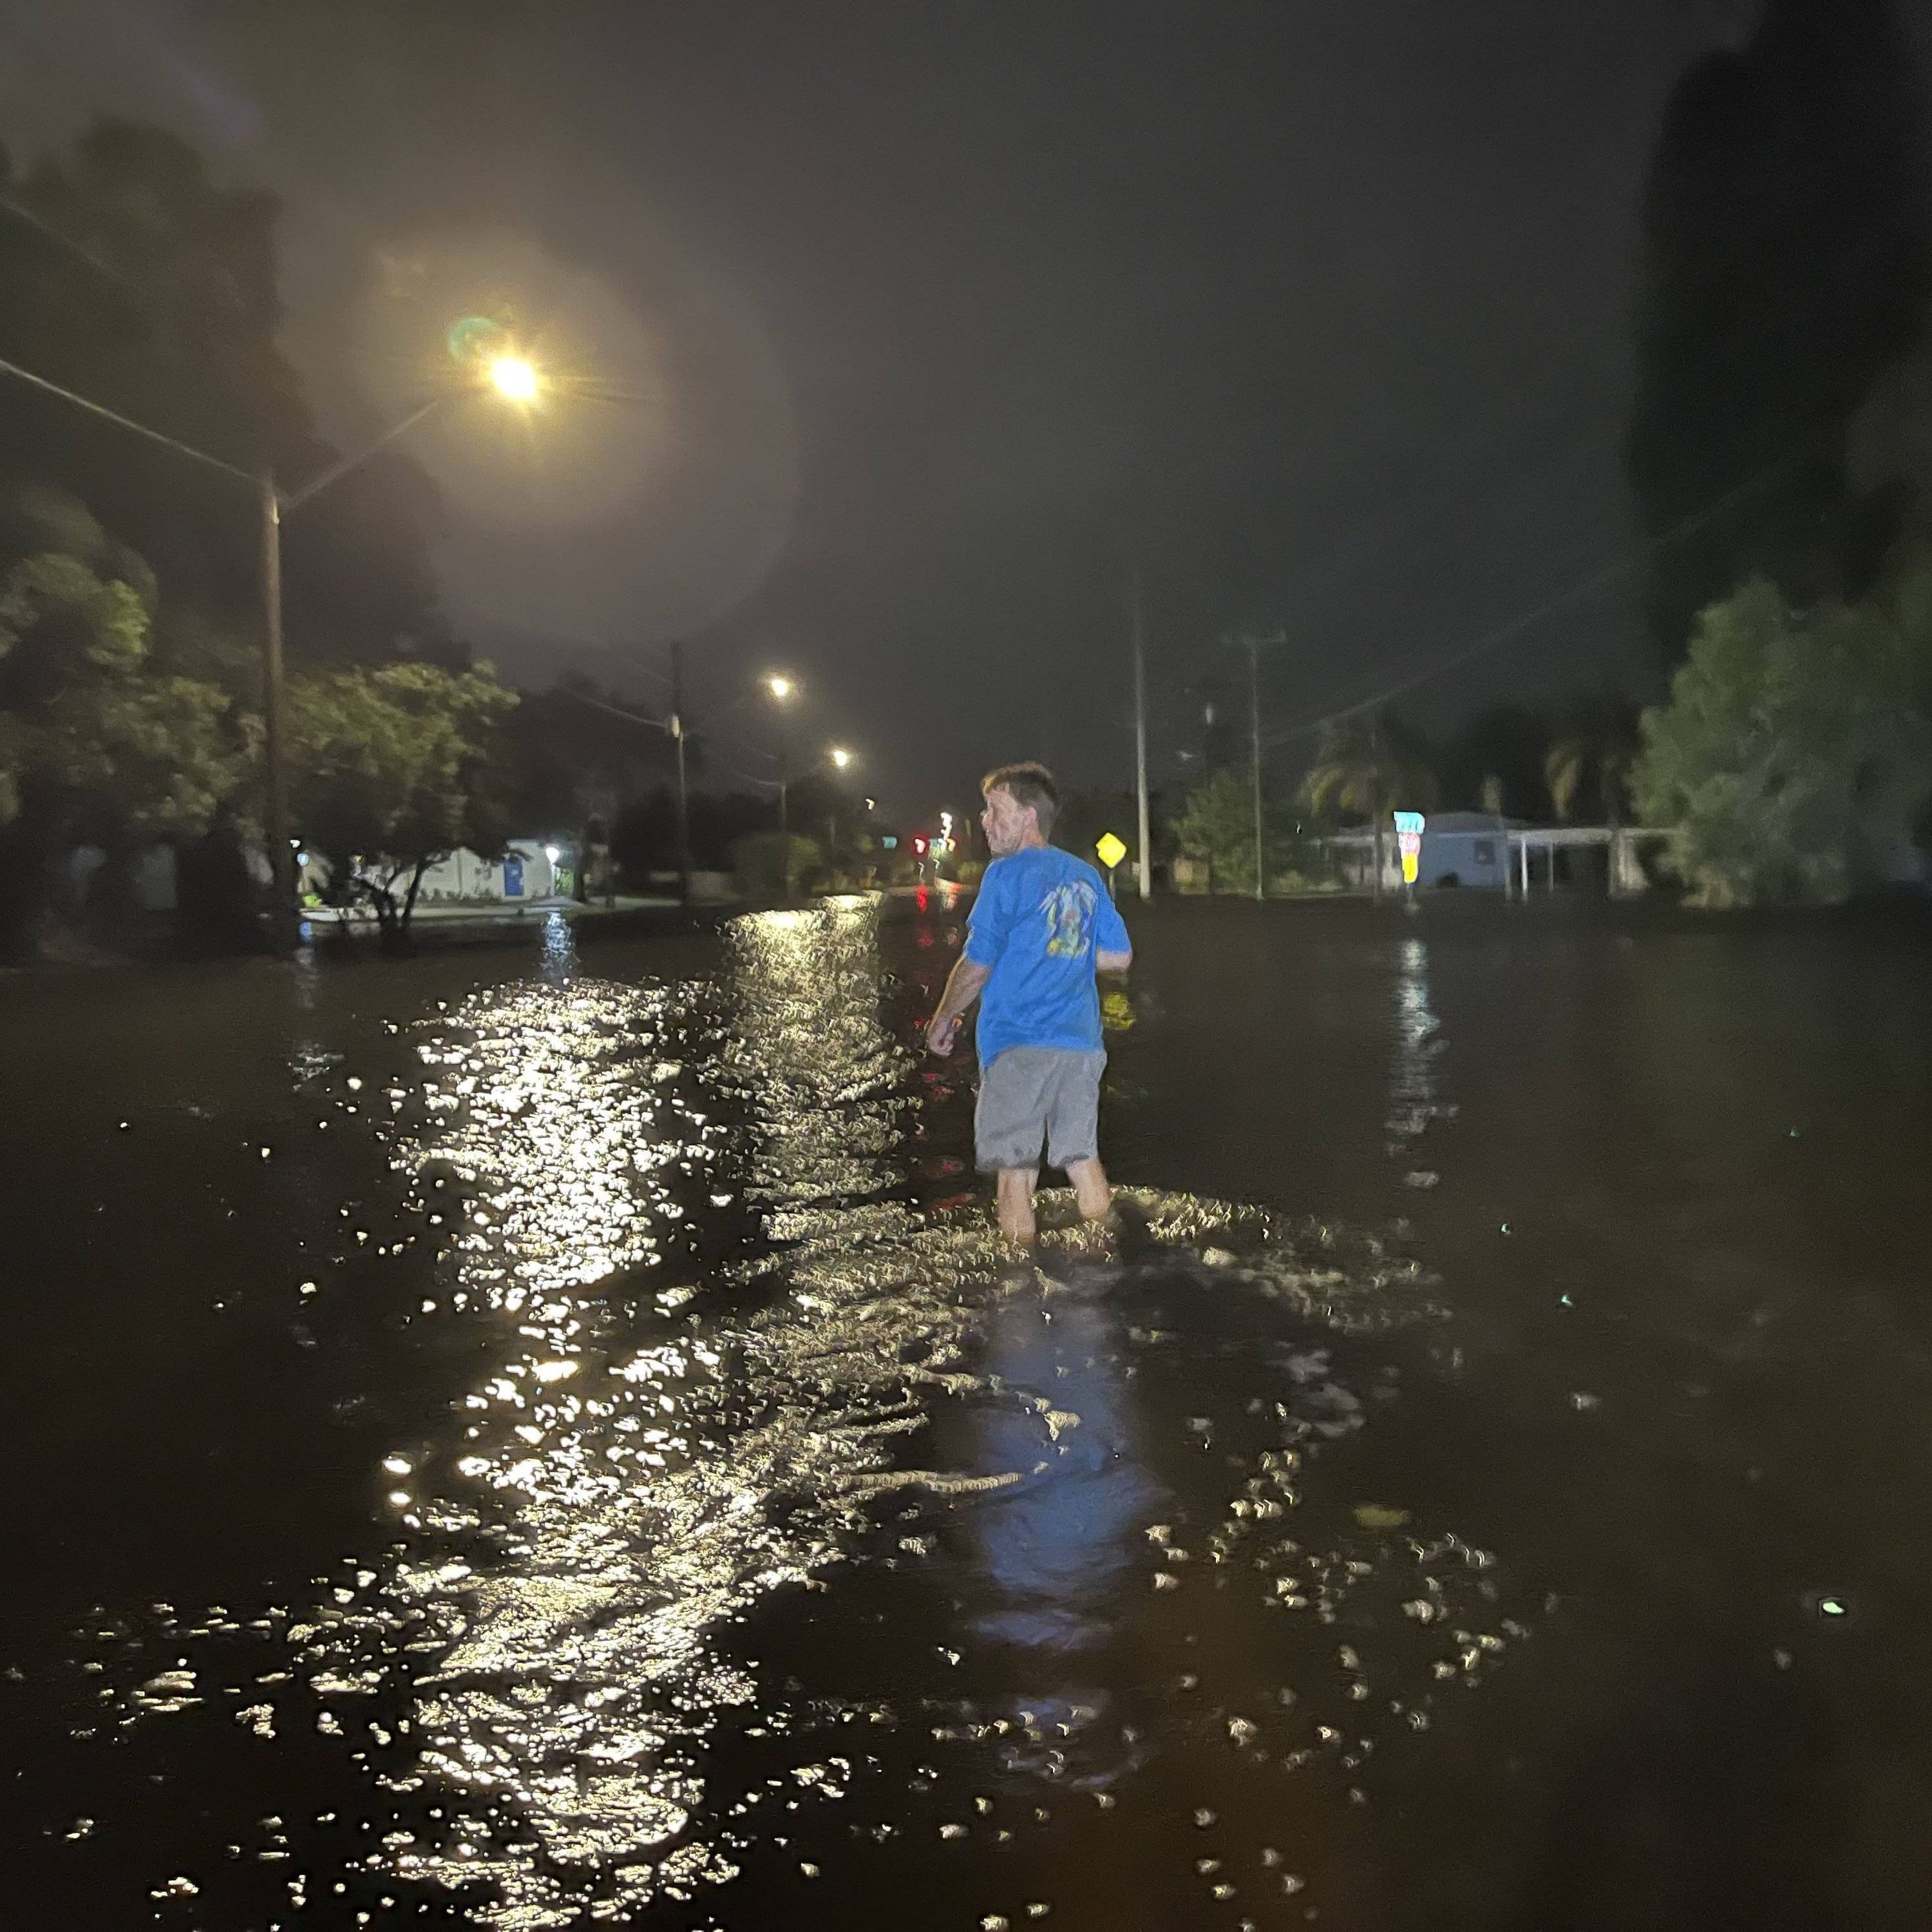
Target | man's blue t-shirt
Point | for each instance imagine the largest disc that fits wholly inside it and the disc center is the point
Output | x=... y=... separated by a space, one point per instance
x=1039 y=918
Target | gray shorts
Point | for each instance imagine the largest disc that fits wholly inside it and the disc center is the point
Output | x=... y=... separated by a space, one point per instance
x=1035 y=1093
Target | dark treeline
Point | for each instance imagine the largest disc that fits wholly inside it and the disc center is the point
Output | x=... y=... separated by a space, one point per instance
x=1789 y=257
x=131 y=614
x=127 y=275
x=130 y=600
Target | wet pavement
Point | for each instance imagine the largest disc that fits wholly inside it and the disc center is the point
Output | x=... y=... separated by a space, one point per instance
x=532 y=1439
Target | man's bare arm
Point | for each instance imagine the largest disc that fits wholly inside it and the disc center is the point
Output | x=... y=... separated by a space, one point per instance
x=962 y=988
x=1113 y=962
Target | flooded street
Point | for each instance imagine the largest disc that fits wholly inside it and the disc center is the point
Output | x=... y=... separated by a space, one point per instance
x=529 y=1439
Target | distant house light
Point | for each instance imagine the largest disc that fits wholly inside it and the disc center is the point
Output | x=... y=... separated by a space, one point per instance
x=552 y=854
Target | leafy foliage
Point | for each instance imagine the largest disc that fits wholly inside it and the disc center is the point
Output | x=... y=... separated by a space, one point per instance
x=1216 y=827
x=1587 y=766
x=1787 y=261
x=1367 y=767
x=393 y=770
x=770 y=865
x=1795 y=755
x=132 y=277
x=91 y=719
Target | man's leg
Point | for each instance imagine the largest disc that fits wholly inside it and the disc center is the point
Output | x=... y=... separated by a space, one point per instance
x=1073 y=1131
x=1009 y=1126
x=1014 y=1200
x=1090 y=1189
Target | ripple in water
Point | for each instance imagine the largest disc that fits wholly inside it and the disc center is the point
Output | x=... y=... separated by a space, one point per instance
x=829 y=1542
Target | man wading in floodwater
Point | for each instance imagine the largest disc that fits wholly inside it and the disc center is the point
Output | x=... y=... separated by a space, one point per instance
x=1041 y=926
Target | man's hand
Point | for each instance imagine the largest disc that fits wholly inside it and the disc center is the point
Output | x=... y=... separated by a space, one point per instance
x=962 y=988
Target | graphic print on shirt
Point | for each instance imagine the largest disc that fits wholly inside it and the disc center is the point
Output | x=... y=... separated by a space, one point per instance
x=1070 y=920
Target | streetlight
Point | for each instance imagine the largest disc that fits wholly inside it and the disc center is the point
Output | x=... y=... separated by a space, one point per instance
x=841 y=760
x=783 y=690
x=513 y=376
x=516 y=378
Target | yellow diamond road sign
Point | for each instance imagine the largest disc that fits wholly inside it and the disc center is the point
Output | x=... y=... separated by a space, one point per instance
x=1111 y=849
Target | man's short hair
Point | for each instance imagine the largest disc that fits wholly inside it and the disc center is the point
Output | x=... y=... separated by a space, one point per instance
x=1028 y=784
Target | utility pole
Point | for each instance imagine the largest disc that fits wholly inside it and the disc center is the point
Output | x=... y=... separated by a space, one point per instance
x=1253 y=644
x=274 y=733
x=683 y=799
x=275 y=800
x=1255 y=741
x=1143 y=858
x=785 y=806
x=1379 y=795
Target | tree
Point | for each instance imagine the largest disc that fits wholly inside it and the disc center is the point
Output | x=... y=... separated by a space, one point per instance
x=132 y=277
x=1787 y=261
x=1496 y=763
x=1589 y=758
x=393 y=770
x=771 y=865
x=1369 y=766
x=1795 y=756
x=102 y=740
x=1217 y=829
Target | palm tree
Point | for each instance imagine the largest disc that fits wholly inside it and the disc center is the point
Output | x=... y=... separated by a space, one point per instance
x=1368 y=764
x=1596 y=744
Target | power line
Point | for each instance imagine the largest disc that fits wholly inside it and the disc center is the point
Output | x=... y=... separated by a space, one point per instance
x=1527 y=620
x=68 y=245
x=126 y=422
x=598 y=704
x=1854 y=250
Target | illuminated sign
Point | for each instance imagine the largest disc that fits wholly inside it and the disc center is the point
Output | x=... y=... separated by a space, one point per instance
x=1110 y=849
x=1408 y=837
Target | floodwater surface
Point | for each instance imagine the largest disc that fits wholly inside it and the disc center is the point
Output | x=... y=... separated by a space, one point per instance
x=534 y=1440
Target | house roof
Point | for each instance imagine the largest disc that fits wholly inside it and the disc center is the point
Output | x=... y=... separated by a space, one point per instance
x=1471 y=821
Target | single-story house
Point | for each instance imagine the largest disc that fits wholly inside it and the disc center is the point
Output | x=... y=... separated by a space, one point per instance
x=1466 y=848
x=527 y=871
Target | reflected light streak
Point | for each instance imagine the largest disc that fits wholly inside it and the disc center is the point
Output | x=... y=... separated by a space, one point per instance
x=1413 y=1101
x=629 y=1479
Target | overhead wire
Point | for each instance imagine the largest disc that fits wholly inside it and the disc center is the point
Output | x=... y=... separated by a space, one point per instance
x=1858 y=248
x=1517 y=626
x=126 y=422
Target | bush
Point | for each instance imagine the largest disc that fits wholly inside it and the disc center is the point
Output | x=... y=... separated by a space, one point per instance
x=1793 y=757
x=1215 y=834
x=758 y=859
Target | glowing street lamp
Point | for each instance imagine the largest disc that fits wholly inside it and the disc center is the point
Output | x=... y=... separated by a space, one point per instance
x=515 y=378
x=840 y=757
x=781 y=688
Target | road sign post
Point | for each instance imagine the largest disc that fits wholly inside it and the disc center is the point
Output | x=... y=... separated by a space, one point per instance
x=1110 y=849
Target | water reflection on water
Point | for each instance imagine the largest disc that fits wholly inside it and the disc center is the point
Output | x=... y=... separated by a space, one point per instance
x=783 y=1519
x=1414 y=1103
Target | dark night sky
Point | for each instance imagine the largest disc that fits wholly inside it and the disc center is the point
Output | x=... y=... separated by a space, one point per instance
x=936 y=311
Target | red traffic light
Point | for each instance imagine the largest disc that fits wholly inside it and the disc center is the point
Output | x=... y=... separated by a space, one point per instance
x=918 y=846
